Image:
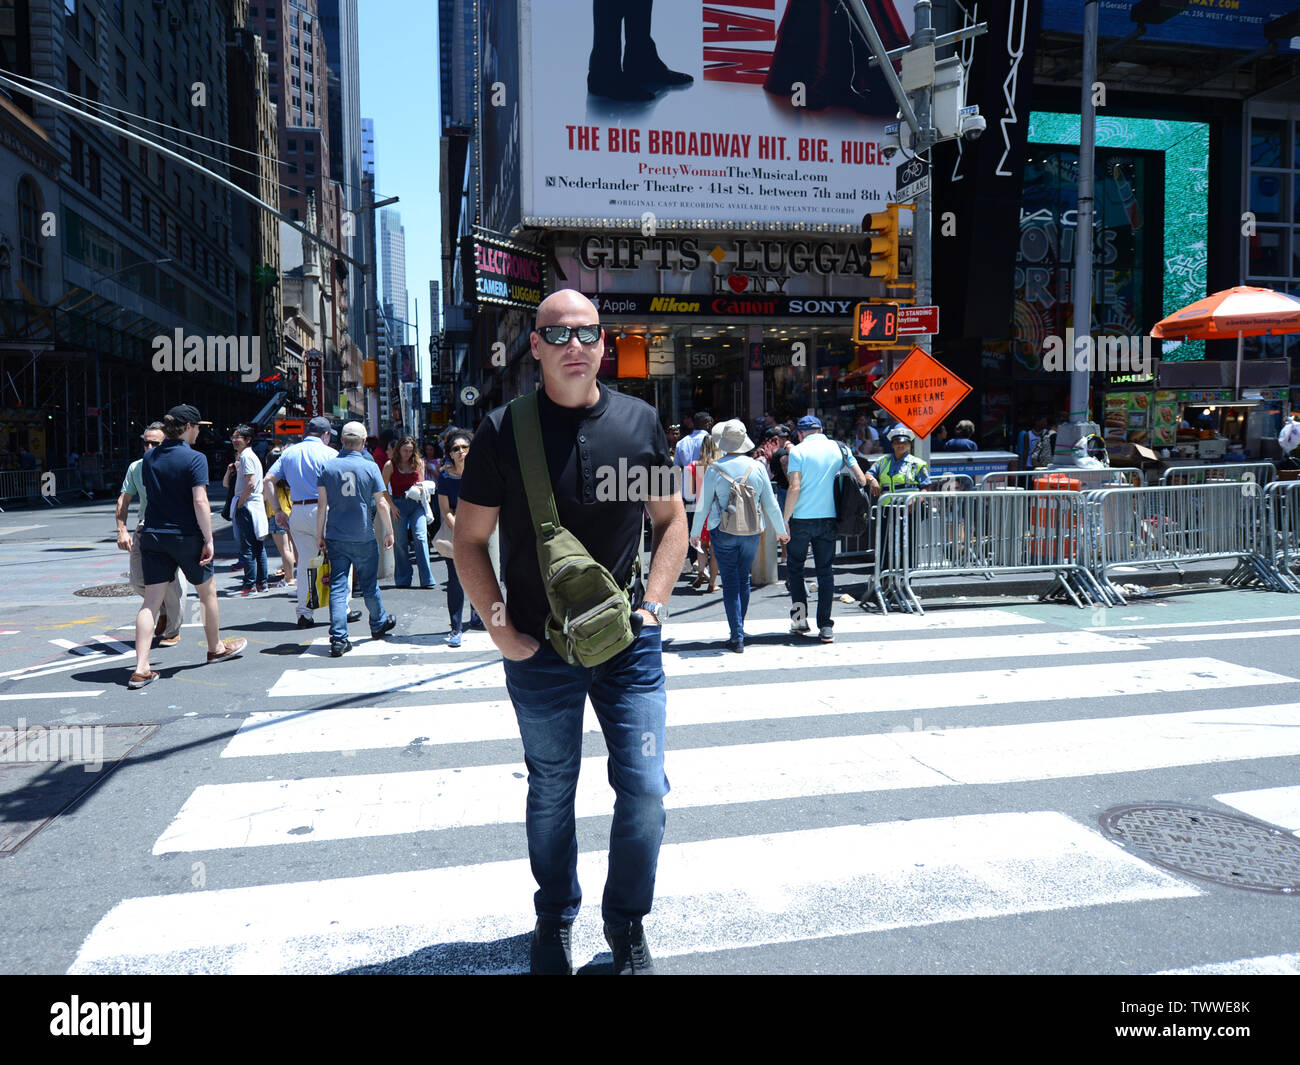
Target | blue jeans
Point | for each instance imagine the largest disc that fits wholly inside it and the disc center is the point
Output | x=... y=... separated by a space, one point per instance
x=456 y=598
x=631 y=704
x=252 y=549
x=343 y=555
x=410 y=520
x=820 y=533
x=735 y=560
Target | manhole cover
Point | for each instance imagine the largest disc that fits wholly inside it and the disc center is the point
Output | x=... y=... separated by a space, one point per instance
x=1209 y=845
x=105 y=591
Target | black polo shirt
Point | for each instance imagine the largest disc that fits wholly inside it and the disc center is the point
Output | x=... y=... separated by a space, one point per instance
x=583 y=452
x=169 y=474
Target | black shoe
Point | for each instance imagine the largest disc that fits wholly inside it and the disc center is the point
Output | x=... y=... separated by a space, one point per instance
x=550 y=954
x=338 y=648
x=354 y=615
x=476 y=623
x=631 y=953
x=736 y=645
x=657 y=75
x=618 y=88
x=387 y=626
x=304 y=622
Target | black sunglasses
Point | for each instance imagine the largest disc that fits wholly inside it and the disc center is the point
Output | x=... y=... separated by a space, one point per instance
x=560 y=334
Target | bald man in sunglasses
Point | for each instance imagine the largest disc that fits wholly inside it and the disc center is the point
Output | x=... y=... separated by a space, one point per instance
x=586 y=429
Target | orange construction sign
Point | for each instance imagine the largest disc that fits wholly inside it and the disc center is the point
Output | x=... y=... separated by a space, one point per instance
x=921 y=392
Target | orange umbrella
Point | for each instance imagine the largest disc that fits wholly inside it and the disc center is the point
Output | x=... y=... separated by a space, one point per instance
x=1241 y=311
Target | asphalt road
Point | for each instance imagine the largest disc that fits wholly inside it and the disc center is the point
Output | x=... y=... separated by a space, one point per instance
x=921 y=796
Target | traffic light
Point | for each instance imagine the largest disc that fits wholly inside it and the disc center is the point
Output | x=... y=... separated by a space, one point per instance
x=875 y=323
x=883 y=243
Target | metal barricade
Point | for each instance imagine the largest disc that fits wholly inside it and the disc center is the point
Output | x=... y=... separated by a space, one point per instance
x=1107 y=475
x=1259 y=472
x=852 y=547
x=1282 y=532
x=948 y=534
x=20 y=486
x=1177 y=524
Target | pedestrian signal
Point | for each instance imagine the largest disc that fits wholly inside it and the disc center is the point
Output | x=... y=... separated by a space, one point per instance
x=882 y=241
x=875 y=323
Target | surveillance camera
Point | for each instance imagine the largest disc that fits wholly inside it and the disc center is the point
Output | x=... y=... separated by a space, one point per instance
x=889 y=151
x=973 y=126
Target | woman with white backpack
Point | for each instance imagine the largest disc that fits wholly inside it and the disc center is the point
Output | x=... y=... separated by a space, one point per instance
x=735 y=494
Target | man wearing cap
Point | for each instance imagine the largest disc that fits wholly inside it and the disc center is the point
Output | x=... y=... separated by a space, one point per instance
x=169 y=620
x=810 y=515
x=177 y=533
x=901 y=471
x=300 y=466
x=350 y=493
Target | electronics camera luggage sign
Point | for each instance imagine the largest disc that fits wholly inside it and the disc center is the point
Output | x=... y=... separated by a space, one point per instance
x=921 y=392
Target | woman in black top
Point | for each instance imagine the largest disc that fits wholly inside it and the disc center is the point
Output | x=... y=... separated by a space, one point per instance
x=448 y=495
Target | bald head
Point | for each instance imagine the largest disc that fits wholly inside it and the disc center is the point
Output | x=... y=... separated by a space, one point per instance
x=566 y=301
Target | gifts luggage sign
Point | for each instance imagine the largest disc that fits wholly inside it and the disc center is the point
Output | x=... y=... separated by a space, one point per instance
x=921 y=392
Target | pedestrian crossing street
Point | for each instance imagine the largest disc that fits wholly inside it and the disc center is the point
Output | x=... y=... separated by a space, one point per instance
x=753 y=740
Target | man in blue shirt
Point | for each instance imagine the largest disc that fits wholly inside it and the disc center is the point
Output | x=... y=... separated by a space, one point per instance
x=299 y=465
x=169 y=619
x=351 y=492
x=810 y=517
x=177 y=533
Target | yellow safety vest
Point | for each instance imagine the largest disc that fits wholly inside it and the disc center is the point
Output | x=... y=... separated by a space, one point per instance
x=908 y=474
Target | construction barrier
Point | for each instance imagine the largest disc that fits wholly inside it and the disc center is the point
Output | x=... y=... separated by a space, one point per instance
x=1099 y=478
x=981 y=533
x=859 y=547
x=1259 y=472
x=20 y=486
x=1282 y=532
x=1178 y=524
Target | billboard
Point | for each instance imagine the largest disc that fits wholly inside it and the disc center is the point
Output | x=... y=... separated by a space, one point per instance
x=780 y=124
x=499 y=106
x=1236 y=24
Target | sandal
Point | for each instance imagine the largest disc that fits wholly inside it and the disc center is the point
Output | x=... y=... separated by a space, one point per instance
x=229 y=649
x=139 y=680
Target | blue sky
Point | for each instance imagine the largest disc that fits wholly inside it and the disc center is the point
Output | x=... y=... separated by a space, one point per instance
x=399 y=90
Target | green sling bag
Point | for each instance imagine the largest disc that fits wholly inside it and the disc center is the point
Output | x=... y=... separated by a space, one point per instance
x=591 y=615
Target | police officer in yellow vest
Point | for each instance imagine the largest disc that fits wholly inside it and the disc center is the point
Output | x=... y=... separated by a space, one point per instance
x=900 y=472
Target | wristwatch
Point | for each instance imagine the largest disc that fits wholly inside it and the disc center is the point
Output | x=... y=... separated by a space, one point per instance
x=659 y=610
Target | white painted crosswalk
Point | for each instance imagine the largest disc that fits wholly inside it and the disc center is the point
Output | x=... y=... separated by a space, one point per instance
x=1023 y=705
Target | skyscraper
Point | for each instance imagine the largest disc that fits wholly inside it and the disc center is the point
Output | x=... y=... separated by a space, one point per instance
x=392 y=261
x=338 y=19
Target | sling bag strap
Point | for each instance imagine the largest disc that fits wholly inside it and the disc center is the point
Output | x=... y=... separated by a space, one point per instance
x=525 y=413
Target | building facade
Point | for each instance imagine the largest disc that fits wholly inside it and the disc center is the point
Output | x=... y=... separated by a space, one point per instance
x=131 y=246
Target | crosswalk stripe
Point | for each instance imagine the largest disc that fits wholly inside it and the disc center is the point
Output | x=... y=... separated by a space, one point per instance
x=1269 y=965
x=691 y=631
x=711 y=895
x=1190 y=624
x=266 y=813
x=353 y=728
x=465 y=674
x=1277 y=806
x=52 y=695
x=1196 y=637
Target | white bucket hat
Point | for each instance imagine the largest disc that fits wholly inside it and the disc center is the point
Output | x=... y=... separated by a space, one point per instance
x=730 y=436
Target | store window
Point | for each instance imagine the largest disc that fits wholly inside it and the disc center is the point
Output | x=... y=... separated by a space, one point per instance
x=29 y=228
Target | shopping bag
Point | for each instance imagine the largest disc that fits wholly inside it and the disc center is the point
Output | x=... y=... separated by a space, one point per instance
x=318 y=583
